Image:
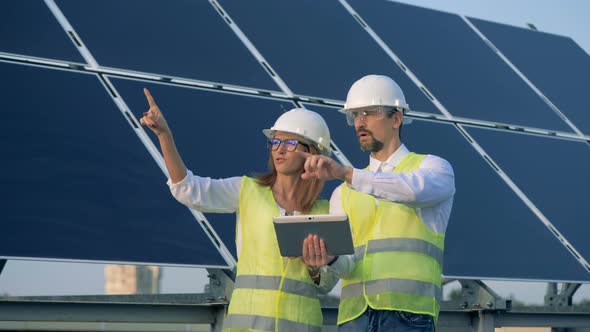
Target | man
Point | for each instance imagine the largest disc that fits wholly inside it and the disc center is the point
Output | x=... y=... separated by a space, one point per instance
x=398 y=207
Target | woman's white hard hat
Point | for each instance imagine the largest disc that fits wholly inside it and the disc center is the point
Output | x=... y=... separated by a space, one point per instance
x=305 y=123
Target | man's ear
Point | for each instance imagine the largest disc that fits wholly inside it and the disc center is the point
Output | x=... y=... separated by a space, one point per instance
x=398 y=118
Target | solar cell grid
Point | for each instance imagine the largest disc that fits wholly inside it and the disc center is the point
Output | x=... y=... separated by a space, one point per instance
x=218 y=133
x=172 y=38
x=317 y=47
x=29 y=28
x=551 y=172
x=456 y=65
x=556 y=65
x=79 y=184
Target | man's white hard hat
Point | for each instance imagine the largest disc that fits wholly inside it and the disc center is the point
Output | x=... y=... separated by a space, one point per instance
x=375 y=90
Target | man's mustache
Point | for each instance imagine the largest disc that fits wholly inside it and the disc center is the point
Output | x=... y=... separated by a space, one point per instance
x=363 y=130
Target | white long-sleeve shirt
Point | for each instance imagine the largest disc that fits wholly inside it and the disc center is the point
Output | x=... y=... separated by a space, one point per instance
x=429 y=189
x=222 y=196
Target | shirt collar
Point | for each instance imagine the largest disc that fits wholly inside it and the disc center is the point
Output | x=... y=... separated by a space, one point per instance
x=391 y=162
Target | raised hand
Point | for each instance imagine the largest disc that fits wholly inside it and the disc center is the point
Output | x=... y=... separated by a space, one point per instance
x=153 y=118
x=323 y=167
x=314 y=252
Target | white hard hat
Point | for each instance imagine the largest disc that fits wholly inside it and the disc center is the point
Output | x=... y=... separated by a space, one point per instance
x=305 y=123
x=375 y=90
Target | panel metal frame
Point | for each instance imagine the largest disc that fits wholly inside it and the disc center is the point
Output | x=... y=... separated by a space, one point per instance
x=71 y=33
x=36 y=60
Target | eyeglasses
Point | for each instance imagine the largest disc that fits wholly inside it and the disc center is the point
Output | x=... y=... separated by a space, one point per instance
x=376 y=112
x=290 y=144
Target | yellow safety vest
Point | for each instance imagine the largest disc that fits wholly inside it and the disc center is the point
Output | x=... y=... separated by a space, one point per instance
x=398 y=259
x=271 y=293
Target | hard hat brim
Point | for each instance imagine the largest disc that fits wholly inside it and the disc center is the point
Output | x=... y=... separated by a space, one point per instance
x=326 y=151
x=269 y=133
x=398 y=108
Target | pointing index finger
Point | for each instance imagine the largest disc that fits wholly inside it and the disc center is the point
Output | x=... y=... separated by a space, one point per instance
x=149 y=97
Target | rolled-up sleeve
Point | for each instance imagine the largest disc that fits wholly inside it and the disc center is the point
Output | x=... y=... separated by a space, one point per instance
x=330 y=274
x=206 y=194
x=432 y=183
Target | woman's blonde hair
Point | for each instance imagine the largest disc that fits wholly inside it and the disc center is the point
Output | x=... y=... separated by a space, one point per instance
x=307 y=191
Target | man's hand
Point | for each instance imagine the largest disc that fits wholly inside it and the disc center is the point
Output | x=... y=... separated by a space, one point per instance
x=314 y=252
x=323 y=168
x=153 y=118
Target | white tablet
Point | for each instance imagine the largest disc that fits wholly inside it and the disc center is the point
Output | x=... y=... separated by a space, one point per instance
x=333 y=228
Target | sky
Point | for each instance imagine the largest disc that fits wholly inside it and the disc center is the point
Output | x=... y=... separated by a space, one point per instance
x=563 y=17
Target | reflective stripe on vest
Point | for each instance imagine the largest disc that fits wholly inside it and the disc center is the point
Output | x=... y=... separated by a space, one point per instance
x=266 y=324
x=273 y=283
x=400 y=244
x=415 y=287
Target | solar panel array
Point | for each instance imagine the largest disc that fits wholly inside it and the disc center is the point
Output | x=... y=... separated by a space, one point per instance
x=83 y=181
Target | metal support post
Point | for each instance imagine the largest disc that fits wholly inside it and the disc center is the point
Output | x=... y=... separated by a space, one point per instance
x=485 y=321
x=446 y=281
x=221 y=284
x=563 y=297
x=475 y=295
x=219 y=317
x=480 y=303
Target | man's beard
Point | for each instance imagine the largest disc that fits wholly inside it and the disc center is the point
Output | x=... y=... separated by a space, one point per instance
x=374 y=145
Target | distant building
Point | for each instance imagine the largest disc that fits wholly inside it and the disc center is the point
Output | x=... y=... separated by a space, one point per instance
x=131 y=279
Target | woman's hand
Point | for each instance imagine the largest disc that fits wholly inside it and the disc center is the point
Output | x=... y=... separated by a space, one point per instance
x=153 y=118
x=314 y=252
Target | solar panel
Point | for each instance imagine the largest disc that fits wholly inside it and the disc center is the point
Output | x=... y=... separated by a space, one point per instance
x=78 y=183
x=552 y=172
x=317 y=47
x=488 y=222
x=218 y=134
x=456 y=65
x=81 y=184
x=29 y=28
x=171 y=38
x=554 y=64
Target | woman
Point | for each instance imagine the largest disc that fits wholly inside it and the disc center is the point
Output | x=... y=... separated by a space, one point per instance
x=271 y=293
